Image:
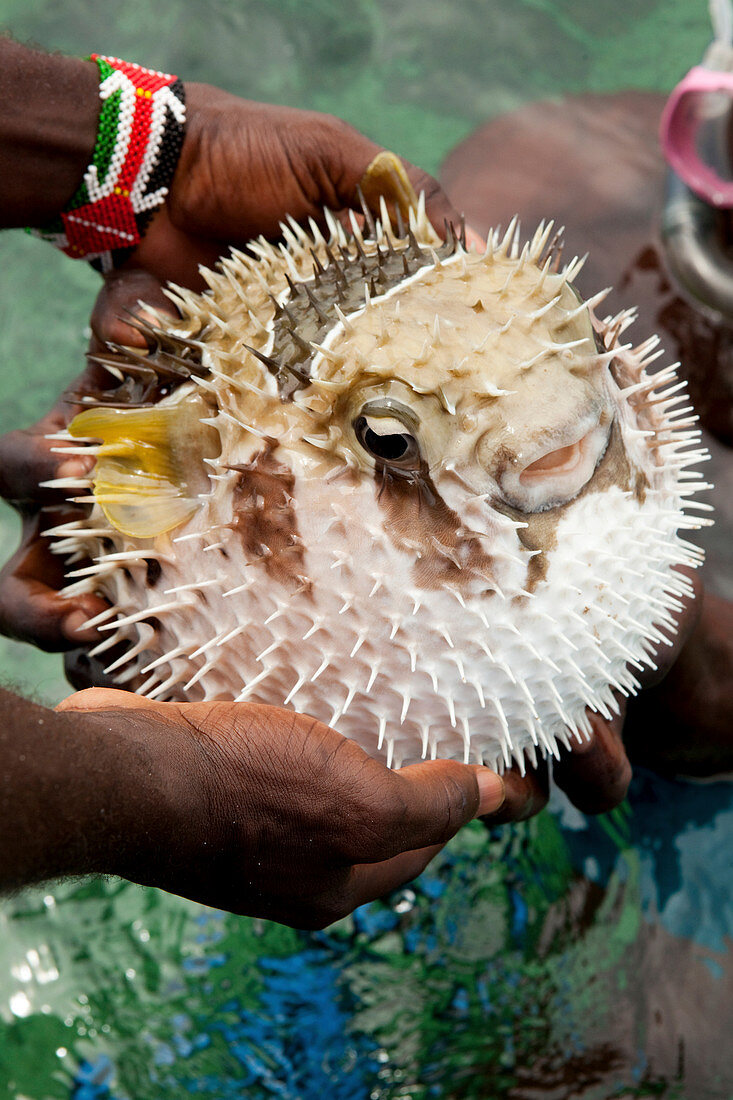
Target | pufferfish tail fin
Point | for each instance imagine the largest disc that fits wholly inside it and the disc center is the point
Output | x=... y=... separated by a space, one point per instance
x=142 y=479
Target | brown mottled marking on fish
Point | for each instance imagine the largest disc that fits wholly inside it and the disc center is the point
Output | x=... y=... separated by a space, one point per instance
x=541 y=530
x=421 y=523
x=264 y=517
x=641 y=484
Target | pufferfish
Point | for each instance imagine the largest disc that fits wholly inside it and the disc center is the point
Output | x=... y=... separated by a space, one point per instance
x=419 y=492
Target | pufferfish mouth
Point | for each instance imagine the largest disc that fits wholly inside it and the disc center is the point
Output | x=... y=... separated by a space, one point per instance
x=557 y=474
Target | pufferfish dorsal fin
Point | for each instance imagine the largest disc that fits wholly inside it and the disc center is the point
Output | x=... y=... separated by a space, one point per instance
x=142 y=479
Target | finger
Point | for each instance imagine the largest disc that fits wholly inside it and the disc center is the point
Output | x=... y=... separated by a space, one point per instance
x=31 y=611
x=438 y=206
x=596 y=773
x=474 y=241
x=122 y=293
x=525 y=796
x=28 y=460
x=355 y=886
x=32 y=608
x=434 y=799
x=83 y=668
x=369 y=881
x=339 y=160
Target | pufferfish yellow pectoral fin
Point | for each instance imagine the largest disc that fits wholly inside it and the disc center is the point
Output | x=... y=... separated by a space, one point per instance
x=143 y=476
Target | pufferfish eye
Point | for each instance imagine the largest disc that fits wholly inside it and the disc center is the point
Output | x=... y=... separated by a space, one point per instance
x=384 y=434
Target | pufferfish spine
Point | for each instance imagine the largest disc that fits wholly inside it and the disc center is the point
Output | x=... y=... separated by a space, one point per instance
x=418 y=492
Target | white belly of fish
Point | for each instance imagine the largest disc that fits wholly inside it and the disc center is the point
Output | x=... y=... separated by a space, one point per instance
x=410 y=674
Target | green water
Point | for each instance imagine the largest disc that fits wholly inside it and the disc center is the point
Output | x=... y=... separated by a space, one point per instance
x=498 y=974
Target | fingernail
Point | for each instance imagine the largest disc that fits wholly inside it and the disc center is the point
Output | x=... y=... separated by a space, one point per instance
x=77 y=624
x=152 y=318
x=491 y=791
x=79 y=466
x=132 y=339
x=474 y=240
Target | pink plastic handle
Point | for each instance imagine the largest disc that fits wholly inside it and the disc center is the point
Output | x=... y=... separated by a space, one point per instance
x=678 y=130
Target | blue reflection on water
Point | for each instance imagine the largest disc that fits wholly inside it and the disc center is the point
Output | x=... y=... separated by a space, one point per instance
x=92 y=1081
x=682 y=831
x=297 y=1045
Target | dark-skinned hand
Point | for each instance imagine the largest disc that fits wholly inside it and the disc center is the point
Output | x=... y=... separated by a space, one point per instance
x=261 y=811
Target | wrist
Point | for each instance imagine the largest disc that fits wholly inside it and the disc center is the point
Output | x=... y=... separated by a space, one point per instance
x=49 y=107
x=83 y=793
x=140 y=794
x=138 y=134
x=205 y=113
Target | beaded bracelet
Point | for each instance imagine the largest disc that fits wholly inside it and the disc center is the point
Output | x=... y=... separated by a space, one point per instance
x=139 y=138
